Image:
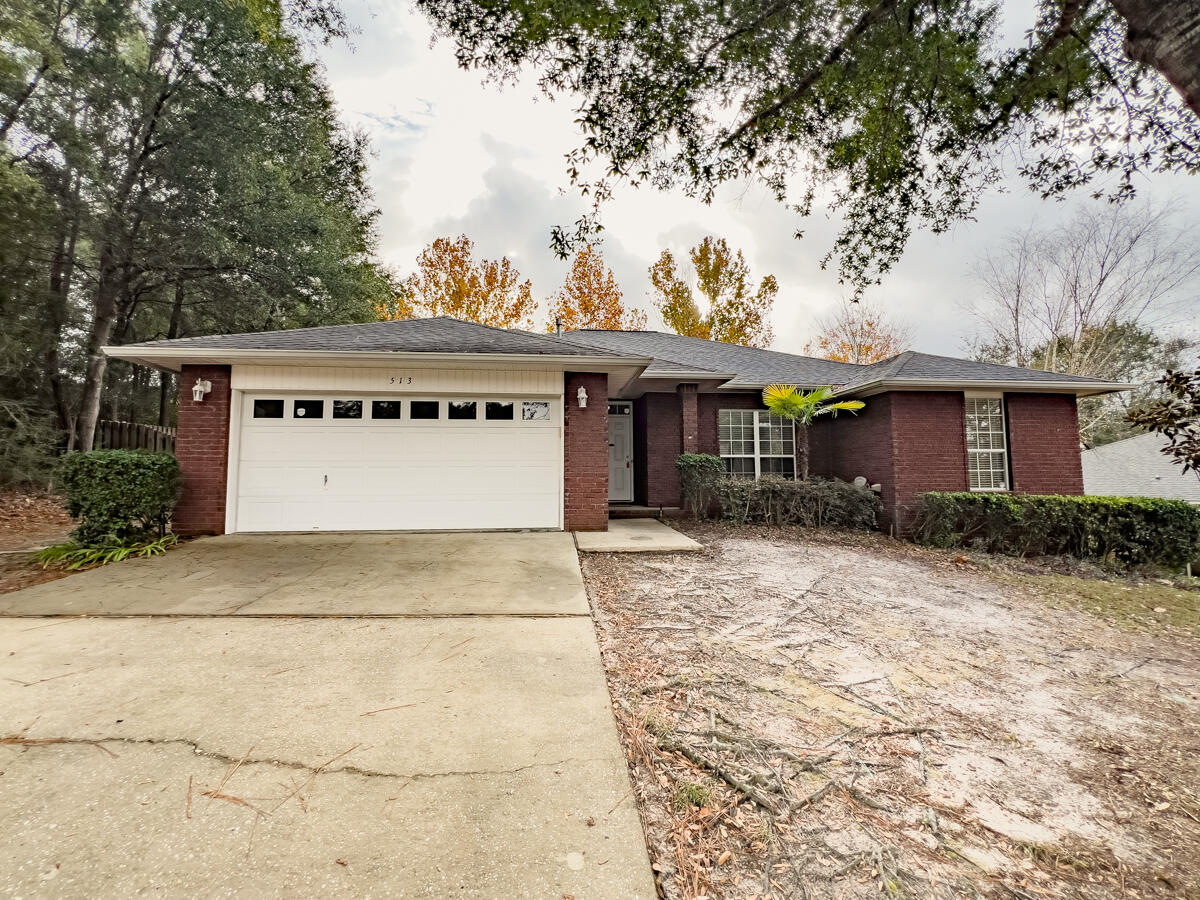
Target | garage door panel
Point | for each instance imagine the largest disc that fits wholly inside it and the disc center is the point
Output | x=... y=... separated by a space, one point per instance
x=275 y=481
x=397 y=475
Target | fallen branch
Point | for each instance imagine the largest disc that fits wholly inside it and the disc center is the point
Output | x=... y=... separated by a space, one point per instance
x=724 y=774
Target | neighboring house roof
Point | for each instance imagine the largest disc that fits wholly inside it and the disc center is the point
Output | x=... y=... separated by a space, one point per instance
x=1136 y=467
x=749 y=366
x=440 y=334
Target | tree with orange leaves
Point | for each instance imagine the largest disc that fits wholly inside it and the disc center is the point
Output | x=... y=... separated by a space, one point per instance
x=860 y=333
x=590 y=298
x=450 y=282
x=736 y=313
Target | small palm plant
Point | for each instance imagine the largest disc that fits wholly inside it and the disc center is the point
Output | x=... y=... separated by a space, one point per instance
x=802 y=407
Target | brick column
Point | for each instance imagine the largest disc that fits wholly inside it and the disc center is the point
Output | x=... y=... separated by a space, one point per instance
x=585 y=446
x=202 y=448
x=690 y=414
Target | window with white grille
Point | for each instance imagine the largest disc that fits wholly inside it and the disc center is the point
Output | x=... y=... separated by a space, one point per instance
x=755 y=443
x=987 y=448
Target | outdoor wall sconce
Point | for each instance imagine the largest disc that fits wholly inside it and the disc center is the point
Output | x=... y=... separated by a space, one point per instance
x=199 y=389
x=582 y=395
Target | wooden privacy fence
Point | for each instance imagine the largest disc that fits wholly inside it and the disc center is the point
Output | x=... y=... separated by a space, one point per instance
x=133 y=436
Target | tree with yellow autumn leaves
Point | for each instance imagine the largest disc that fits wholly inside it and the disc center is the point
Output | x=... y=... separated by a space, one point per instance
x=859 y=332
x=591 y=298
x=449 y=281
x=735 y=314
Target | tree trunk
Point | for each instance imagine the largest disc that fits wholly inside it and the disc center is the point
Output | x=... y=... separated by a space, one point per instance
x=103 y=318
x=62 y=273
x=801 y=452
x=1165 y=35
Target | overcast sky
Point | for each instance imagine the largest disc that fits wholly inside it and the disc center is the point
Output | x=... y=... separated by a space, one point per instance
x=453 y=156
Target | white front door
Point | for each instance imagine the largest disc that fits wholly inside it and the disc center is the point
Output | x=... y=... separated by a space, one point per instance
x=337 y=462
x=620 y=451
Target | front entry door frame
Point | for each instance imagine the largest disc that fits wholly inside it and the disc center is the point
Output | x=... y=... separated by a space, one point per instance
x=620 y=451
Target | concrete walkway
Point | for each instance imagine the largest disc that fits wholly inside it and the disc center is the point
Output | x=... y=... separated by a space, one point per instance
x=635 y=536
x=458 y=743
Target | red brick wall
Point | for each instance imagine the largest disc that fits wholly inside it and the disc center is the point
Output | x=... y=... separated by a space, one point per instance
x=585 y=471
x=664 y=442
x=1043 y=436
x=862 y=445
x=202 y=448
x=904 y=441
x=689 y=416
x=929 y=436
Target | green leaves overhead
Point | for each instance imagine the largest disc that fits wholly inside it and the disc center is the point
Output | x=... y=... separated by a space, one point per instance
x=894 y=113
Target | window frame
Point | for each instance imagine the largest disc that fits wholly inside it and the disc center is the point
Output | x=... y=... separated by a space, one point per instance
x=968 y=399
x=758 y=421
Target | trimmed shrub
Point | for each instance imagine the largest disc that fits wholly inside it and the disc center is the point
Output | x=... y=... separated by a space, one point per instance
x=120 y=497
x=698 y=477
x=1127 y=530
x=813 y=503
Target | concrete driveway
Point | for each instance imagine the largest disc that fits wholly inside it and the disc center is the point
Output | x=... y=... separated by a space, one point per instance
x=315 y=715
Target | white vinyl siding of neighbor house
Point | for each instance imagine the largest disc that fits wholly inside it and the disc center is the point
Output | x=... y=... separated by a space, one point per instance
x=754 y=443
x=987 y=444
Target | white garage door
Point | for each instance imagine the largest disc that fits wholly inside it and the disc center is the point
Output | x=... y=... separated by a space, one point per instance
x=360 y=463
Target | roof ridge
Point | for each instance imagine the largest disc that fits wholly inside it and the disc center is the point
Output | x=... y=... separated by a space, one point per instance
x=725 y=344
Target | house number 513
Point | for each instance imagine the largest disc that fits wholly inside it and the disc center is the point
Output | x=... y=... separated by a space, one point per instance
x=400 y=379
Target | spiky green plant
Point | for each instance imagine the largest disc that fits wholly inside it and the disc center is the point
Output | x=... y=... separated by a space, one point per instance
x=802 y=407
x=72 y=557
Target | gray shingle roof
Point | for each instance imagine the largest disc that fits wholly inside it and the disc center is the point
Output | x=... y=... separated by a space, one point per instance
x=435 y=335
x=913 y=366
x=671 y=354
x=1135 y=467
x=751 y=367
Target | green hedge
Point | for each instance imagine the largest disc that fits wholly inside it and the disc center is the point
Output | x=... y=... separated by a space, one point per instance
x=699 y=474
x=814 y=502
x=119 y=496
x=1128 y=530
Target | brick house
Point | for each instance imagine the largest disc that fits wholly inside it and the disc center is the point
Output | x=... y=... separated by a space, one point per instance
x=441 y=424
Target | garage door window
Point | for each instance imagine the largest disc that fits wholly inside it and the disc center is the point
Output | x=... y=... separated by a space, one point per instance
x=268 y=409
x=347 y=409
x=498 y=410
x=385 y=409
x=461 y=409
x=535 y=411
x=309 y=409
x=423 y=409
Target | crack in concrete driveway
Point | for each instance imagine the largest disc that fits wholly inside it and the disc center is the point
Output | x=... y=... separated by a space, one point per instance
x=458 y=675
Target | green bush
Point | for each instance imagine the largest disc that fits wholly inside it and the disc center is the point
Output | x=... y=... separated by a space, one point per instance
x=698 y=477
x=1127 y=530
x=813 y=503
x=120 y=497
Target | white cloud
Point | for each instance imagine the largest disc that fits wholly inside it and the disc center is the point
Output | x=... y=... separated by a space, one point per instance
x=454 y=155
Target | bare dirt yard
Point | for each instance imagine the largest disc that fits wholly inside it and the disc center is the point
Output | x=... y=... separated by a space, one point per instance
x=824 y=715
